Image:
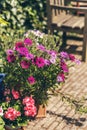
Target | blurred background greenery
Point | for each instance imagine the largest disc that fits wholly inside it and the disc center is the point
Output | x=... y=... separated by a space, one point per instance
x=21 y=15
x=24 y=13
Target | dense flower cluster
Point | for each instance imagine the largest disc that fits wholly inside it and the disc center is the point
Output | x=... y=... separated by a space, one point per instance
x=29 y=108
x=31 y=70
x=11 y=114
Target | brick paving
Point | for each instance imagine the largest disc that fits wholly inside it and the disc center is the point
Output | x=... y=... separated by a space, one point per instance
x=60 y=116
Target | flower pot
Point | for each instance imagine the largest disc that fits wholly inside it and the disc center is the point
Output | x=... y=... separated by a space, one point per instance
x=17 y=128
x=41 y=111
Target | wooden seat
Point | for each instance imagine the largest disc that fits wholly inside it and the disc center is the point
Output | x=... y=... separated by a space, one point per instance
x=61 y=16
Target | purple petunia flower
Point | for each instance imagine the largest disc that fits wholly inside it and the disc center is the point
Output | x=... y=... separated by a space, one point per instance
x=61 y=77
x=64 y=55
x=28 y=42
x=25 y=64
x=77 y=61
x=31 y=80
x=41 y=47
x=52 y=53
x=39 y=61
x=29 y=56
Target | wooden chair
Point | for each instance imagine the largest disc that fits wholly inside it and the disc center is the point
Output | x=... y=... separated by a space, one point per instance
x=61 y=17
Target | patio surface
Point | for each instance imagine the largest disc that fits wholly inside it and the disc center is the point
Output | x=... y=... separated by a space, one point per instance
x=60 y=116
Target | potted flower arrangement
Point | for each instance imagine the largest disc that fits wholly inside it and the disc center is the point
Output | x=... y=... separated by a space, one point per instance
x=32 y=68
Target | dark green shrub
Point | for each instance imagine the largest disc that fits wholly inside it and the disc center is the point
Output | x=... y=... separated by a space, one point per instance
x=24 y=13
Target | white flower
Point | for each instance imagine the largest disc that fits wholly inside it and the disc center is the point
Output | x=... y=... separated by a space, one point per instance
x=1 y=111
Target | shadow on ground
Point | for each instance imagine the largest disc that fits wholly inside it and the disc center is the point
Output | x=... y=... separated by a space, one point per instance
x=69 y=120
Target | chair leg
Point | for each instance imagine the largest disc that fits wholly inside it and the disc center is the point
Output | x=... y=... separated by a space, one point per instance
x=64 y=38
x=84 y=55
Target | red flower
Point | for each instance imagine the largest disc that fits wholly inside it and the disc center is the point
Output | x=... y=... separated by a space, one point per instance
x=30 y=111
x=18 y=45
x=72 y=57
x=15 y=94
x=28 y=100
x=12 y=114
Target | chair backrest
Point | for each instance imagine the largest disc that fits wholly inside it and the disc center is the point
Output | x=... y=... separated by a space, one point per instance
x=55 y=12
x=51 y=12
x=58 y=2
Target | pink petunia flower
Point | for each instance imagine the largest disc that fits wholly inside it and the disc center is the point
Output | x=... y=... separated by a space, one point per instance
x=39 y=61
x=11 y=58
x=41 y=47
x=64 y=55
x=9 y=52
x=29 y=56
x=25 y=64
x=47 y=62
x=31 y=80
x=61 y=77
x=28 y=41
x=64 y=67
x=18 y=45
x=23 y=51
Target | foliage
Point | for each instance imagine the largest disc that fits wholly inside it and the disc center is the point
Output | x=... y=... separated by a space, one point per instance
x=24 y=13
x=2 y=123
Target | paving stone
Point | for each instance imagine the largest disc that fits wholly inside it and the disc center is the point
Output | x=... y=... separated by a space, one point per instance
x=53 y=126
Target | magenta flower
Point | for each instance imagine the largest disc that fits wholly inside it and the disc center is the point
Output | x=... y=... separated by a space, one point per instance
x=64 y=55
x=25 y=64
x=23 y=51
x=72 y=57
x=31 y=80
x=64 y=67
x=61 y=77
x=41 y=47
x=18 y=45
x=11 y=58
x=28 y=41
x=39 y=61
